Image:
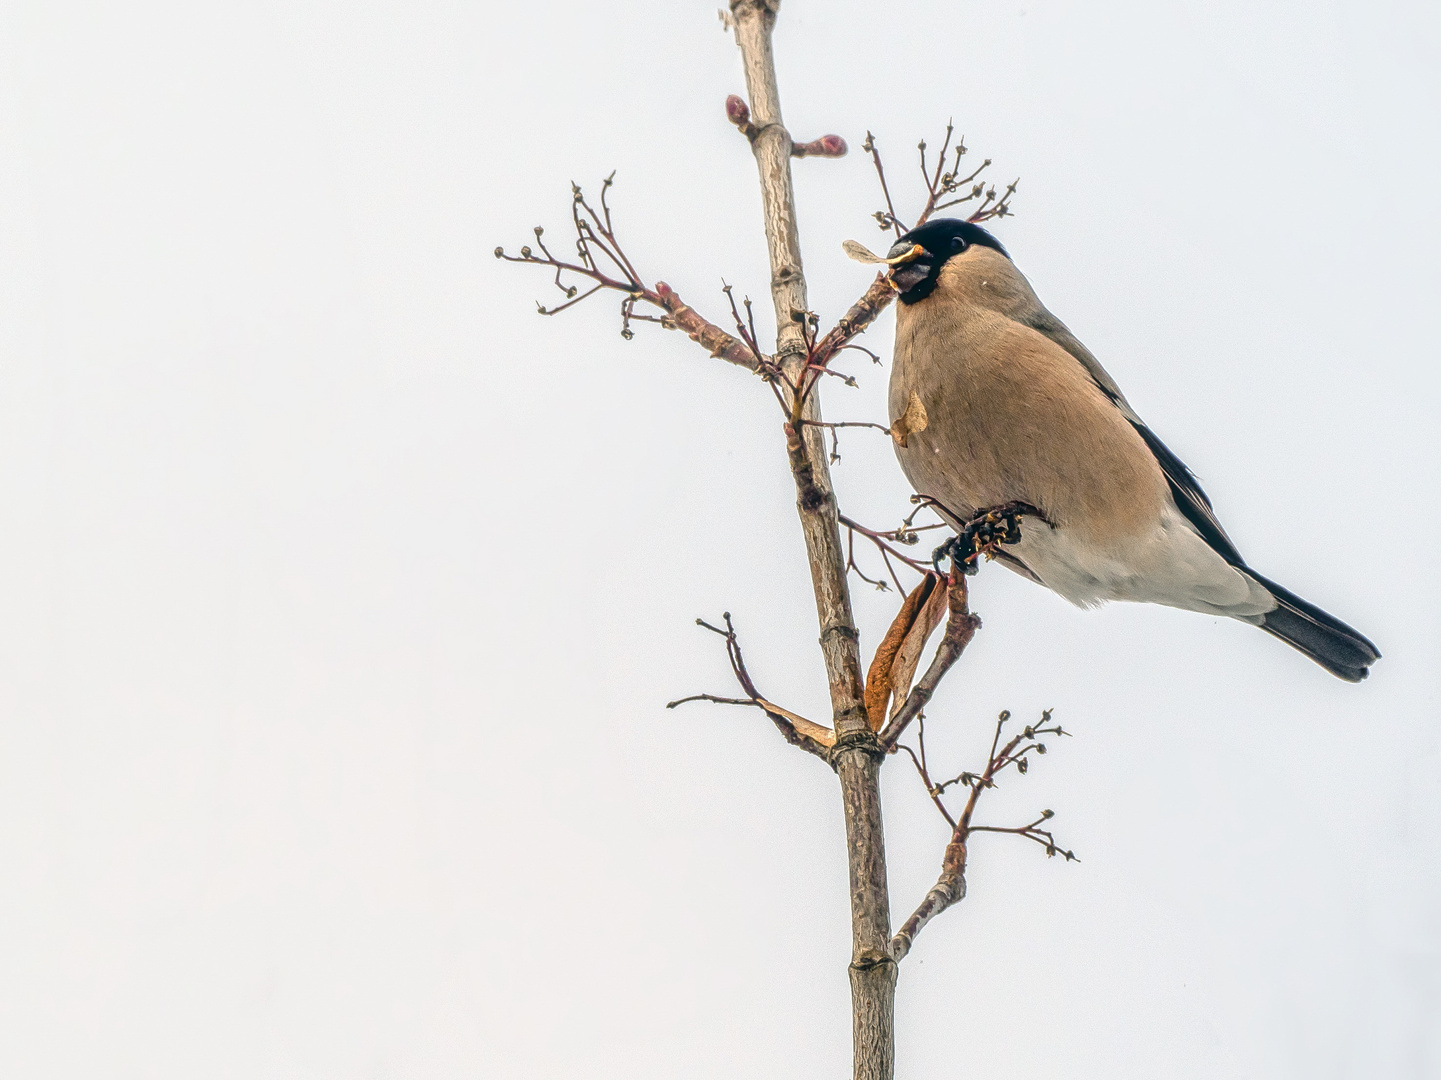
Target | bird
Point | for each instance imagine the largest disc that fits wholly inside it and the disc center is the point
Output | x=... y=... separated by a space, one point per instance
x=998 y=405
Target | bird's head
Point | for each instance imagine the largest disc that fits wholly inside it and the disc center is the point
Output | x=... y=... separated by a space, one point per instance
x=917 y=257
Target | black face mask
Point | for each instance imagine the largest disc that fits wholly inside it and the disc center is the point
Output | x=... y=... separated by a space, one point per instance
x=941 y=240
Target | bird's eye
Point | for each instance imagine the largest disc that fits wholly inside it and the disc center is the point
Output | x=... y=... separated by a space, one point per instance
x=957 y=243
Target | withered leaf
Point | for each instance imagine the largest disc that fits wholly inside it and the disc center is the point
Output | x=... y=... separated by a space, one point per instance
x=914 y=419
x=879 y=680
x=860 y=253
x=903 y=670
x=821 y=734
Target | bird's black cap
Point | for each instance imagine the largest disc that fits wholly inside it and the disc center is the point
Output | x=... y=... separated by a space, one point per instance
x=937 y=236
x=941 y=239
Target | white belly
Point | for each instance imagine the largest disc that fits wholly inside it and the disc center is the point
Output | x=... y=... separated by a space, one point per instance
x=1171 y=565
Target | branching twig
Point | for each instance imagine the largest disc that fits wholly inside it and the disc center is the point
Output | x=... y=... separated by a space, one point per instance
x=797 y=730
x=950 y=886
x=939 y=183
x=601 y=259
x=834 y=427
x=933 y=790
x=880 y=539
x=747 y=332
x=852 y=567
x=860 y=315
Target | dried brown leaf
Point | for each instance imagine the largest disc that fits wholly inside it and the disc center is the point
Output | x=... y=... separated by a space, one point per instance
x=823 y=735
x=860 y=253
x=878 y=679
x=908 y=656
x=914 y=419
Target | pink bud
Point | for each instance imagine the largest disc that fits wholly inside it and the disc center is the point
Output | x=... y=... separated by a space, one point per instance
x=737 y=111
x=825 y=146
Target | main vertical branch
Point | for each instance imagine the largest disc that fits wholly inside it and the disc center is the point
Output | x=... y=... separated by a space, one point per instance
x=858 y=754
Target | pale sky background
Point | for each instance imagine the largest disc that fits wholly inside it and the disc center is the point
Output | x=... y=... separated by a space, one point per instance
x=340 y=595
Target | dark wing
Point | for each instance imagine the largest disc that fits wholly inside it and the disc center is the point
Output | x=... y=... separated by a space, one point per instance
x=1019 y=567
x=1190 y=499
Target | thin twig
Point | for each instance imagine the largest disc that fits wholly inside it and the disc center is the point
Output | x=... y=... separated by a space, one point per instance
x=713 y=699
x=846 y=423
x=934 y=792
x=950 y=886
x=879 y=539
x=861 y=348
x=852 y=567
x=595 y=236
x=789 y=724
x=887 y=220
x=886 y=558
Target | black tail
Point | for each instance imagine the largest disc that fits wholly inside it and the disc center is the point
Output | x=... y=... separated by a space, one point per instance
x=1327 y=640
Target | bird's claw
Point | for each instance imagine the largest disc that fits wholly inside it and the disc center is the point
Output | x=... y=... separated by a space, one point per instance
x=952 y=549
x=981 y=535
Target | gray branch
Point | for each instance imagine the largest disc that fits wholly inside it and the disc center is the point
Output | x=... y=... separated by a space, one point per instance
x=857 y=754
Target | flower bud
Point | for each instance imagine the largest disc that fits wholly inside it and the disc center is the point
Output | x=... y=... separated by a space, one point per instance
x=825 y=146
x=737 y=111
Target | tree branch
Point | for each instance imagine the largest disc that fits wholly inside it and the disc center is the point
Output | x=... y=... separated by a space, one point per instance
x=856 y=753
x=950 y=888
x=793 y=374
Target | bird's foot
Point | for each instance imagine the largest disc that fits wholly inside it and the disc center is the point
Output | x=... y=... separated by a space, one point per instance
x=982 y=535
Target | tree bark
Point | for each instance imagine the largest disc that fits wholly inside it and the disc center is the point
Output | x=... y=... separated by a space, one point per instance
x=857 y=754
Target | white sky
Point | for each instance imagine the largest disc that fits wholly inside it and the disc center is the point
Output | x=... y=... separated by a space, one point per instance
x=340 y=594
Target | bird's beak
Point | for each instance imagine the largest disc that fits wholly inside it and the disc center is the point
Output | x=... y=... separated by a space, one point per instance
x=903 y=253
x=907 y=266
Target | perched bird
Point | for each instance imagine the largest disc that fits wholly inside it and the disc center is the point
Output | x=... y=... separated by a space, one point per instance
x=997 y=403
